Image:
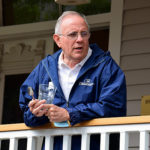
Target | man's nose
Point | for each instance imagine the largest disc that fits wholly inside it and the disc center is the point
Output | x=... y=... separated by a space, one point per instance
x=79 y=37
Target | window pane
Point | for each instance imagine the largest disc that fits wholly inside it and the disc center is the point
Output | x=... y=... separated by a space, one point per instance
x=29 y=11
x=95 y=7
x=11 y=110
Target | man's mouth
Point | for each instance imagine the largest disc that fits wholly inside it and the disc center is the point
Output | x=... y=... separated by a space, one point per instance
x=78 y=48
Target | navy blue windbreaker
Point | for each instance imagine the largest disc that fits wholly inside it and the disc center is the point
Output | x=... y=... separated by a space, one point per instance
x=99 y=91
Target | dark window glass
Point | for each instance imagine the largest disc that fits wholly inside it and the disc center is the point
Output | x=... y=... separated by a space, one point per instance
x=29 y=11
x=11 y=109
x=100 y=37
x=95 y=7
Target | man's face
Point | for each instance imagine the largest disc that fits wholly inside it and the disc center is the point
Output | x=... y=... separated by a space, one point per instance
x=73 y=39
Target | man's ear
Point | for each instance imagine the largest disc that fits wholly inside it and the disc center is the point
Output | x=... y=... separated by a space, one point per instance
x=57 y=40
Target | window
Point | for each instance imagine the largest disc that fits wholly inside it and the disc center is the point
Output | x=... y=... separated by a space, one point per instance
x=29 y=11
x=11 y=110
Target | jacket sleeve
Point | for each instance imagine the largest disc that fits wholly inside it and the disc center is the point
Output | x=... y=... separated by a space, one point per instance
x=111 y=101
x=24 y=99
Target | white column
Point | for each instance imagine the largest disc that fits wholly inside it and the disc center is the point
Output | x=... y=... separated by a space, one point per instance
x=85 y=143
x=115 y=29
x=49 y=141
x=66 y=142
x=31 y=143
x=124 y=140
x=104 y=142
x=144 y=140
x=13 y=144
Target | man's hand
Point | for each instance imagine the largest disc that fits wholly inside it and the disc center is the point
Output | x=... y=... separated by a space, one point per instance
x=36 y=107
x=55 y=113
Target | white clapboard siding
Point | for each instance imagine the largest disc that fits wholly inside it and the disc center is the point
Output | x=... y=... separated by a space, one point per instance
x=134 y=108
x=137 y=91
x=135 y=52
x=139 y=46
x=136 y=77
x=137 y=16
x=132 y=62
x=136 y=31
x=133 y=4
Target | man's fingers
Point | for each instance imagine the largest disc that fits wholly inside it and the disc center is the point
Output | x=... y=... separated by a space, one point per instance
x=32 y=103
x=38 y=111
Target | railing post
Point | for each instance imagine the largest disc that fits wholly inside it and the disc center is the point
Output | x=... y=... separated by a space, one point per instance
x=66 y=142
x=104 y=141
x=0 y=143
x=144 y=140
x=85 y=143
x=13 y=144
x=124 y=140
x=31 y=143
x=49 y=140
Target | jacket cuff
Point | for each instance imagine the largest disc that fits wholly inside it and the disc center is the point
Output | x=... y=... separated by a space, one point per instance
x=74 y=115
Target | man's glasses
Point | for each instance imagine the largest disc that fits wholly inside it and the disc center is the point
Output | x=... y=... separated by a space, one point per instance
x=74 y=35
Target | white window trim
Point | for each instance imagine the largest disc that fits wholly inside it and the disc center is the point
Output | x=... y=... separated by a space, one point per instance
x=115 y=29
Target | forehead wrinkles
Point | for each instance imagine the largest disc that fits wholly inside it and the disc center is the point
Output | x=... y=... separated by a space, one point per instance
x=70 y=23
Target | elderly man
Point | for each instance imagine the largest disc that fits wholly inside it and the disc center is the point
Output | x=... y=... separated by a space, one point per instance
x=89 y=82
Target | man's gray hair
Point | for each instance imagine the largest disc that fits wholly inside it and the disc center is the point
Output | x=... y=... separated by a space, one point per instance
x=64 y=14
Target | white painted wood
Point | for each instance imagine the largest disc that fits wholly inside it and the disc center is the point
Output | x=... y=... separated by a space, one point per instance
x=85 y=143
x=139 y=46
x=138 y=31
x=49 y=140
x=115 y=29
x=104 y=142
x=137 y=77
x=136 y=104
x=46 y=28
x=85 y=132
x=137 y=16
x=66 y=142
x=144 y=140
x=134 y=4
x=124 y=141
x=131 y=62
x=135 y=92
x=31 y=143
x=13 y=144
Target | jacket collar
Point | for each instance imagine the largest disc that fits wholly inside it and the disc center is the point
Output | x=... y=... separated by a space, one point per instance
x=51 y=63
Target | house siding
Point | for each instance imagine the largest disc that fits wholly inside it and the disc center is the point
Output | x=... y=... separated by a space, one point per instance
x=135 y=52
x=135 y=57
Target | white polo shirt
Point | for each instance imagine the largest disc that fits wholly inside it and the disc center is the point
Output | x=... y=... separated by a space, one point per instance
x=67 y=75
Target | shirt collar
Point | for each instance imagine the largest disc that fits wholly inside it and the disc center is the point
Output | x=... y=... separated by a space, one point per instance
x=61 y=62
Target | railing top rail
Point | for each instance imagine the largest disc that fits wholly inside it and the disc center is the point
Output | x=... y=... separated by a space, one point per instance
x=93 y=122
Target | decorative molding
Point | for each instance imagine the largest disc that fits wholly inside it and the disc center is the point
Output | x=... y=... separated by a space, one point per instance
x=40 y=46
x=21 y=47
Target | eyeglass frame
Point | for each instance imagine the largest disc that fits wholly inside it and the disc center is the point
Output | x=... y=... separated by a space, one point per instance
x=76 y=34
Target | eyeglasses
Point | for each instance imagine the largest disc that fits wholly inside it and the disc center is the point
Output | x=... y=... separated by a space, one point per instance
x=74 y=35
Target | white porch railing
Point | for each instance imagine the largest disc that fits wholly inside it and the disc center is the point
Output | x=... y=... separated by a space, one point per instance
x=104 y=126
